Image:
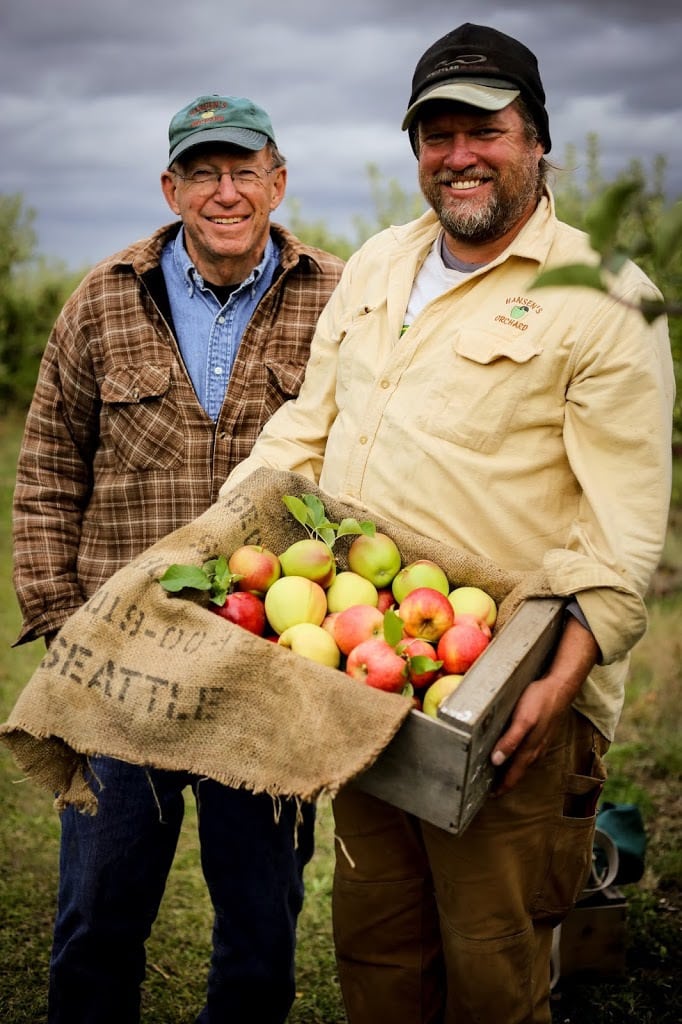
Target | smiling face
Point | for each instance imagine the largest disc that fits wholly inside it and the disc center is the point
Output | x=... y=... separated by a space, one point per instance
x=479 y=171
x=226 y=224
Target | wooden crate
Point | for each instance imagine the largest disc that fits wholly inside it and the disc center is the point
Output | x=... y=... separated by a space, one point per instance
x=439 y=769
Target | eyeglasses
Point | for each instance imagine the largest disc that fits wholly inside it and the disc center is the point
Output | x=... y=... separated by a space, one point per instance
x=207 y=179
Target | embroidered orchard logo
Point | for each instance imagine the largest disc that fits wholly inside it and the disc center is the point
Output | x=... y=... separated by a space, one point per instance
x=518 y=311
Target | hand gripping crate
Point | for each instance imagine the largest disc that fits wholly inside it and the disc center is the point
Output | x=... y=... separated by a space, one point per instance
x=439 y=769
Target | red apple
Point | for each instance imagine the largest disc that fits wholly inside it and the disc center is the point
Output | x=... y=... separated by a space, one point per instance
x=258 y=567
x=377 y=558
x=422 y=573
x=476 y=602
x=426 y=613
x=376 y=663
x=329 y=620
x=310 y=558
x=386 y=599
x=461 y=617
x=293 y=599
x=312 y=642
x=438 y=691
x=459 y=647
x=418 y=653
x=355 y=624
x=350 y=588
x=244 y=609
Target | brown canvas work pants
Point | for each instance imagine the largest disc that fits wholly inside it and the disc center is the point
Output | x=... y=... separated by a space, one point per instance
x=433 y=928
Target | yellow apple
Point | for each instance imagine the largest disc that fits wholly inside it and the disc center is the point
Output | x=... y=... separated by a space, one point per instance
x=310 y=558
x=422 y=573
x=438 y=691
x=474 y=601
x=293 y=599
x=312 y=642
x=349 y=588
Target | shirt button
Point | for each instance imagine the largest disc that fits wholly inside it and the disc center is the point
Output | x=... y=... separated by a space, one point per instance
x=385 y=384
x=221 y=319
x=218 y=370
x=363 y=439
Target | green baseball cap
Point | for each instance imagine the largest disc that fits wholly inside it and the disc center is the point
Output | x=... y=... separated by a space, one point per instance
x=231 y=119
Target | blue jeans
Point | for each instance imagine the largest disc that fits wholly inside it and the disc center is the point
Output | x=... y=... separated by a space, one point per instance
x=114 y=867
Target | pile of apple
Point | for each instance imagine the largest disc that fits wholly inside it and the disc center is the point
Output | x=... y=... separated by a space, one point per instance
x=398 y=628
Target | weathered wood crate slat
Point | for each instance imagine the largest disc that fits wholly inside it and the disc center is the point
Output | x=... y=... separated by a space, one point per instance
x=439 y=769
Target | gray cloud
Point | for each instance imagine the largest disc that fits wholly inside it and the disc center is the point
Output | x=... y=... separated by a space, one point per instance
x=88 y=88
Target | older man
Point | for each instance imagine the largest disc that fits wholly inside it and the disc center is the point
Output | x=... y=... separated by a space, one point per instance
x=158 y=375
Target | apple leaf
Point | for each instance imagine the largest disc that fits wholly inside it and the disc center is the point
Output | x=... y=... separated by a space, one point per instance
x=393 y=628
x=222 y=579
x=352 y=526
x=298 y=509
x=604 y=217
x=421 y=663
x=214 y=576
x=571 y=274
x=177 y=577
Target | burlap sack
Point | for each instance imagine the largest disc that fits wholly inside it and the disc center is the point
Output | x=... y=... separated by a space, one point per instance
x=160 y=680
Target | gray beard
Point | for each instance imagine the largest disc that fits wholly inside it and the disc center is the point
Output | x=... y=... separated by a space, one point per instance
x=483 y=224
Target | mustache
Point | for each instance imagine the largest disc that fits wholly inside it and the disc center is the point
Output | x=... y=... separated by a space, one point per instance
x=448 y=177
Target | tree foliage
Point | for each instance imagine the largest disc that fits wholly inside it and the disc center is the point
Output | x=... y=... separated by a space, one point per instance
x=31 y=295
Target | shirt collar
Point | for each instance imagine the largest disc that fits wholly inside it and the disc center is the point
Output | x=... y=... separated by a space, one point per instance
x=192 y=277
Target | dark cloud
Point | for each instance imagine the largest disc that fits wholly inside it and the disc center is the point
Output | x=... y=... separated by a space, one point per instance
x=87 y=88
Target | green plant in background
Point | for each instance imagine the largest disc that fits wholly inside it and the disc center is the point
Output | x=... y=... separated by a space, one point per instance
x=658 y=244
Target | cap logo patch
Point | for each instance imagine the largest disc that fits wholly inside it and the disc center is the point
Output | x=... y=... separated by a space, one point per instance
x=470 y=58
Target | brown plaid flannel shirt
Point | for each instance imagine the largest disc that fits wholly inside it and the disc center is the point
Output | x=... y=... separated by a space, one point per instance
x=117 y=450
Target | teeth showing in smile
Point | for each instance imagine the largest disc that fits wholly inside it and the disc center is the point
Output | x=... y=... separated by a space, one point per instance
x=227 y=220
x=461 y=186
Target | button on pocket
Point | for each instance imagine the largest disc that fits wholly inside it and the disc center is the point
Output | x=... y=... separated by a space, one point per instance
x=140 y=423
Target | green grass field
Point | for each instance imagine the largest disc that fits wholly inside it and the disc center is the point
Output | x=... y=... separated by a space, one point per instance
x=645 y=767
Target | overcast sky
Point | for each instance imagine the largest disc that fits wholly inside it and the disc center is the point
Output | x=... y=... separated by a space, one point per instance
x=88 y=88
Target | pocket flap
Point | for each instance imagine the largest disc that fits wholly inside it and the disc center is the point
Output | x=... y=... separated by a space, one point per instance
x=135 y=383
x=482 y=347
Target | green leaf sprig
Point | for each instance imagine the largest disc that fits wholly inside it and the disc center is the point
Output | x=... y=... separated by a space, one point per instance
x=310 y=512
x=214 y=576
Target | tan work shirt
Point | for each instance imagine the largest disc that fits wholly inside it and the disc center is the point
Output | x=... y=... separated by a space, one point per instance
x=528 y=425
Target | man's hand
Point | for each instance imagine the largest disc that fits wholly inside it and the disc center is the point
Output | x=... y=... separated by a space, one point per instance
x=542 y=704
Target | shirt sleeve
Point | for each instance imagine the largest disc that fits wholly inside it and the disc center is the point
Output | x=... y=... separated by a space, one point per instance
x=53 y=483
x=617 y=433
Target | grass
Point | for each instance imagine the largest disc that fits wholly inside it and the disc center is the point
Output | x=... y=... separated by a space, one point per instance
x=645 y=765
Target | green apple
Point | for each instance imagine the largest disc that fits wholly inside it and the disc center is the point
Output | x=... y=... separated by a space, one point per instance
x=377 y=558
x=310 y=558
x=422 y=573
x=349 y=588
x=438 y=691
x=312 y=642
x=293 y=599
x=474 y=601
